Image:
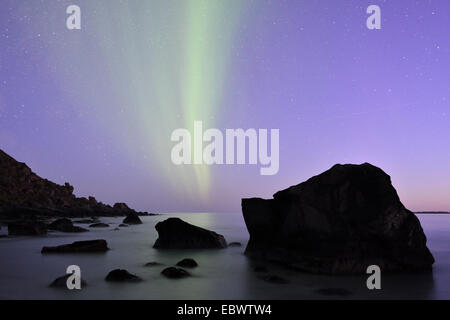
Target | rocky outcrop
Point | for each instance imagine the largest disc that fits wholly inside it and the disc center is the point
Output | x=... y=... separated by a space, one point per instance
x=132 y=218
x=175 y=233
x=65 y=225
x=120 y=275
x=23 y=194
x=79 y=247
x=340 y=221
x=27 y=228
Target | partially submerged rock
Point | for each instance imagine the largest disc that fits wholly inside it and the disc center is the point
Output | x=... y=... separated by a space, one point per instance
x=120 y=275
x=187 y=263
x=175 y=273
x=65 y=225
x=340 y=221
x=78 y=247
x=86 y=221
x=99 y=225
x=175 y=233
x=27 y=228
x=132 y=218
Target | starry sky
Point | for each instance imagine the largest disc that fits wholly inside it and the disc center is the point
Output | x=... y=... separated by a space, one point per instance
x=96 y=106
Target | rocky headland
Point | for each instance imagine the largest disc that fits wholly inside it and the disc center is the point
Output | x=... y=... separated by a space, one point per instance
x=25 y=195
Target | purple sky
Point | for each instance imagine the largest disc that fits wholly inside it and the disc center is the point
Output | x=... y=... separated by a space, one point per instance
x=96 y=106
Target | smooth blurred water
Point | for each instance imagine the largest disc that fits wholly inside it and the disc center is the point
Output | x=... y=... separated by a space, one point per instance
x=222 y=274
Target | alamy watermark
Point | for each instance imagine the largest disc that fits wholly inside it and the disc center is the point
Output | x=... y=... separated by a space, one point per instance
x=236 y=147
x=74 y=280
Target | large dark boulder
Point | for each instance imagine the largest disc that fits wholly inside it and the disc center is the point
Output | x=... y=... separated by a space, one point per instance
x=175 y=233
x=27 y=228
x=132 y=218
x=340 y=221
x=65 y=225
x=78 y=247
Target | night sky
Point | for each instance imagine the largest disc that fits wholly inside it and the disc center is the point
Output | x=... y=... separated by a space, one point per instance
x=96 y=106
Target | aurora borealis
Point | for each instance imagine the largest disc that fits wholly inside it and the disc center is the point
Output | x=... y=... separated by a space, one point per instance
x=96 y=106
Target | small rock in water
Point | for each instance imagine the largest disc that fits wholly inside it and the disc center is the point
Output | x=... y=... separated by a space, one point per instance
x=116 y=229
x=175 y=273
x=334 y=292
x=78 y=246
x=99 y=225
x=187 y=263
x=132 y=218
x=273 y=279
x=65 y=225
x=86 y=221
x=235 y=244
x=120 y=275
x=123 y=225
x=61 y=282
x=175 y=233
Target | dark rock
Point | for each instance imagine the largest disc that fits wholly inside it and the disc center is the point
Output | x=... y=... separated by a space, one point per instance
x=235 y=244
x=187 y=263
x=65 y=225
x=123 y=225
x=175 y=273
x=132 y=218
x=273 y=279
x=24 y=194
x=61 y=282
x=99 y=225
x=153 y=264
x=86 y=221
x=174 y=233
x=334 y=292
x=120 y=275
x=260 y=269
x=79 y=246
x=340 y=221
x=27 y=228
x=116 y=229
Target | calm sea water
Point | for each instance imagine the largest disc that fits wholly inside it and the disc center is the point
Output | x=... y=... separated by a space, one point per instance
x=222 y=274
